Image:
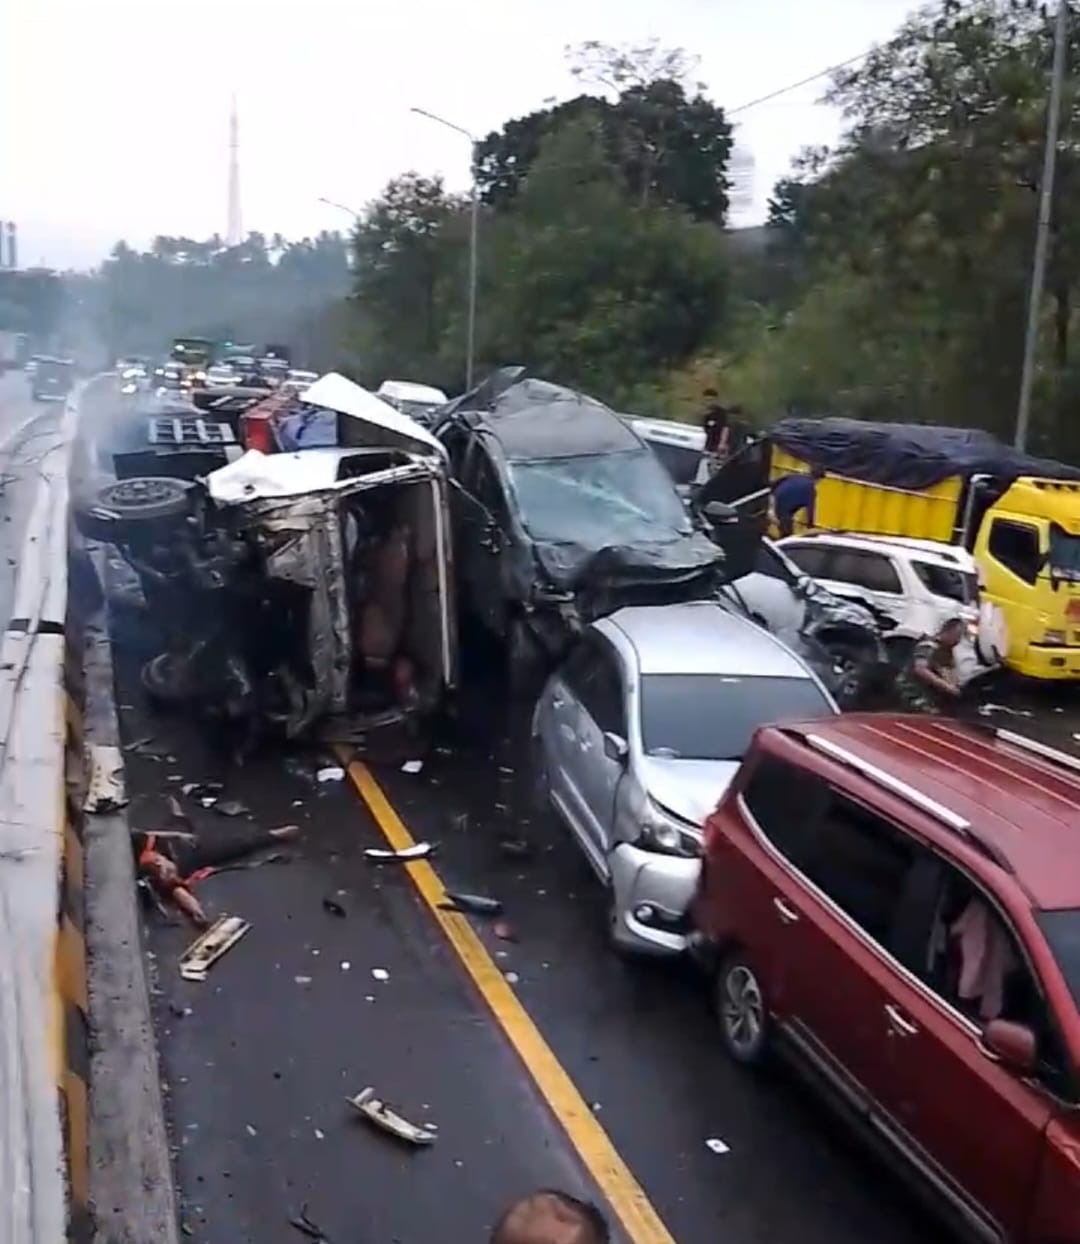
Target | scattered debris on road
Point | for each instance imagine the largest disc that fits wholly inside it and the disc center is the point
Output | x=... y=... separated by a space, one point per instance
x=473 y=904
x=412 y=766
x=208 y=948
x=231 y=807
x=331 y=773
x=309 y=1228
x=988 y=710
x=379 y=1113
x=136 y=744
x=418 y=851
x=717 y=1145
x=504 y=931
x=380 y=974
x=334 y=908
x=516 y=848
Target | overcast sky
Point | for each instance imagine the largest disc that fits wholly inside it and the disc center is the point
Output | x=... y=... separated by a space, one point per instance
x=114 y=113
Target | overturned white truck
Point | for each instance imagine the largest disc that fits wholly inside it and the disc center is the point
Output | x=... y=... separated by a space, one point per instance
x=297 y=589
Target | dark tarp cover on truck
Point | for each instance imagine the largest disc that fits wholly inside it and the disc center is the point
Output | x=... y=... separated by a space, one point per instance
x=907 y=455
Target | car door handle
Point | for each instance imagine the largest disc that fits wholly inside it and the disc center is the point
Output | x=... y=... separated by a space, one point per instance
x=899 y=1022
x=788 y=914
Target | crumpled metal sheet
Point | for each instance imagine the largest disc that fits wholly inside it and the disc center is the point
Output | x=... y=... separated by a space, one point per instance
x=105 y=788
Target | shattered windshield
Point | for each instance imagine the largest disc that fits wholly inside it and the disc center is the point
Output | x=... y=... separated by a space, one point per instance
x=599 y=500
x=1064 y=554
x=712 y=716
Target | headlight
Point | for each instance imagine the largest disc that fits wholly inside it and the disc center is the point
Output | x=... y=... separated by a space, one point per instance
x=662 y=832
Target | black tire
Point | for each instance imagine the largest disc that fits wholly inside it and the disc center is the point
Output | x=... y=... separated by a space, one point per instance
x=524 y=660
x=132 y=507
x=742 y=1010
x=165 y=680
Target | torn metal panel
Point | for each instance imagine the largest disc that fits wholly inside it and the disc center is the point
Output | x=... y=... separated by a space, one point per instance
x=105 y=788
x=207 y=949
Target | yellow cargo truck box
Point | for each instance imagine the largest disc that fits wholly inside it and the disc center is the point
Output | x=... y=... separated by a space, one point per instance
x=877 y=509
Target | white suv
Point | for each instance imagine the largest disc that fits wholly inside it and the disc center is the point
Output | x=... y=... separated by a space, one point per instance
x=920 y=583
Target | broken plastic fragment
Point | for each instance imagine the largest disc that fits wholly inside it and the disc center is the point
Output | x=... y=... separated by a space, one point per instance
x=331 y=773
x=379 y=1113
x=334 y=908
x=380 y=974
x=512 y=978
x=474 y=904
x=418 y=851
x=412 y=766
x=717 y=1145
x=311 y=1229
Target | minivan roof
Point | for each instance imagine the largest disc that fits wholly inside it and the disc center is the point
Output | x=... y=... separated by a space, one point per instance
x=1024 y=806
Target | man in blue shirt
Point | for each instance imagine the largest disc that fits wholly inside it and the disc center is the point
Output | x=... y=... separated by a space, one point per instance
x=792 y=494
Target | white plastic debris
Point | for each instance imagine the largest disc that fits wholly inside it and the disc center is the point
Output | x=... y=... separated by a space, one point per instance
x=250 y=1130
x=345 y=965
x=717 y=1145
x=512 y=977
x=319 y=1135
x=302 y=980
x=412 y=766
x=331 y=773
x=380 y=974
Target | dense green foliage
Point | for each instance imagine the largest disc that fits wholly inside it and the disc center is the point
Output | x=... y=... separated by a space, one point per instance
x=901 y=260
x=601 y=253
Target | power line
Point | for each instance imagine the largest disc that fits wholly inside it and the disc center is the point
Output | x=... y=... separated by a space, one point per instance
x=794 y=86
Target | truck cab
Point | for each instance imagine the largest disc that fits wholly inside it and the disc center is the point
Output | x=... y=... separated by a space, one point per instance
x=1028 y=546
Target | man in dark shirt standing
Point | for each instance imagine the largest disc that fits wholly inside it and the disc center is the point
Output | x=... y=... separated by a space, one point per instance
x=792 y=494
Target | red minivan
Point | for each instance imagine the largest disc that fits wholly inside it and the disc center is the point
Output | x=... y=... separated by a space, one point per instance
x=894 y=903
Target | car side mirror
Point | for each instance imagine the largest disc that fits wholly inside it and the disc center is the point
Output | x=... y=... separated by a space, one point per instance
x=1013 y=1044
x=616 y=747
x=720 y=513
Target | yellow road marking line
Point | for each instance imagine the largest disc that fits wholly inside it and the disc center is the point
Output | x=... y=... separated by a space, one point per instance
x=624 y=1194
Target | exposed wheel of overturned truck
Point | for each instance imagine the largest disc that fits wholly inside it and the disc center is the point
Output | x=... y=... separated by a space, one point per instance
x=133 y=506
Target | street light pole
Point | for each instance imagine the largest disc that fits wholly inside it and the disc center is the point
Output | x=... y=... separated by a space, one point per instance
x=474 y=229
x=1042 y=229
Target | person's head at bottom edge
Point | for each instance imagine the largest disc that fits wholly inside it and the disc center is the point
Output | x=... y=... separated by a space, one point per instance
x=551 y=1217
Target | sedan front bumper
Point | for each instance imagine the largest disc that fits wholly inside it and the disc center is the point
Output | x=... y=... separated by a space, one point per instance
x=652 y=893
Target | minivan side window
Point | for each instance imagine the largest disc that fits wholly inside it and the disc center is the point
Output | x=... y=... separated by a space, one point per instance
x=785 y=801
x=862 y=862
x=812 y=559
x=873 y=571
x=973 y=961
x=1016 y=546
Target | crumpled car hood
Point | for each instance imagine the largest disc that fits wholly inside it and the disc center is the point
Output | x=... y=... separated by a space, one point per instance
x=571 y=567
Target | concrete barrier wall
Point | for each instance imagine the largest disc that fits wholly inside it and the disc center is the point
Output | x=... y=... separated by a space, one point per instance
x=44 y=1187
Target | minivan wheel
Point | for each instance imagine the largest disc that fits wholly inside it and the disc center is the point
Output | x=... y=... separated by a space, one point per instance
x=742 y=1010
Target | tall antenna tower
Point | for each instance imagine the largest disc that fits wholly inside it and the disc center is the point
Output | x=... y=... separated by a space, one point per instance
x=234 y=234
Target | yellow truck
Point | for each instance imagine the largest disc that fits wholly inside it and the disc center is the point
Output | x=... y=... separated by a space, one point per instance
x=1018 y=515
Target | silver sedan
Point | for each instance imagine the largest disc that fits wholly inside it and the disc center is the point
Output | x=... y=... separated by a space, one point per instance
x=639 y=733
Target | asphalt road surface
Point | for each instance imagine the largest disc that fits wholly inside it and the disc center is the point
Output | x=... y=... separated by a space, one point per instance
x=28 y=430
x=545 y=1060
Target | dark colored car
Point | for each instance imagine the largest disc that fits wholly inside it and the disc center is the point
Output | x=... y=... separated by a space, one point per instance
x=562 y=515
x=894 y=904
x=52 y=380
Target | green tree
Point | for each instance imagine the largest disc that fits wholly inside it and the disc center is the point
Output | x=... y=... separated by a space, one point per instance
x=667 y=145
x=922 y=223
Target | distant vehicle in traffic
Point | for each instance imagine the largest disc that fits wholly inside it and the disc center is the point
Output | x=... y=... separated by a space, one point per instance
x=636 y=737
x=562 y=515
x=298 y=380
x=418 y=401
x=274 y=371
x=893 y=903
x=220 y=375
x=52 y=379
